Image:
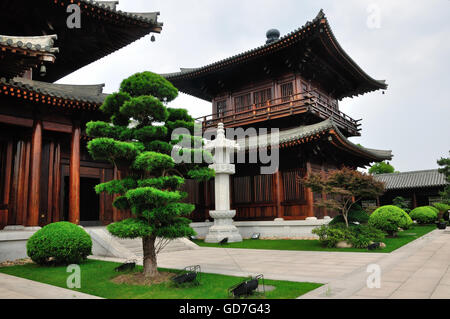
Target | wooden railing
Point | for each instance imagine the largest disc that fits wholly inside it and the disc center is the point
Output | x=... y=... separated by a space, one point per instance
x=279 y=108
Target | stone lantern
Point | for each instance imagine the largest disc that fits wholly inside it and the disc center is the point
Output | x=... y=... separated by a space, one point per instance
x=222 y=150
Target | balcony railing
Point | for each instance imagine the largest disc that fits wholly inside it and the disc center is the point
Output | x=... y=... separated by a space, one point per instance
x=279 y=108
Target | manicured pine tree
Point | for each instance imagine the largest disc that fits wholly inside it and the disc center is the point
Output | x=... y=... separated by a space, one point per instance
x=138 y=141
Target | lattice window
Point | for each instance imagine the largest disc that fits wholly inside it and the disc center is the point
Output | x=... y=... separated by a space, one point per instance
x=242 y=190
x=243 y=102
x=262 y=97
x=221 y=107
x=263 y=188
x=292 y=188
x=287 y=90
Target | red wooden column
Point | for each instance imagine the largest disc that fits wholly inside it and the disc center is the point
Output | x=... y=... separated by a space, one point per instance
x=35 y=174
x=74 y=176
x=309 y=194
x=279 y=193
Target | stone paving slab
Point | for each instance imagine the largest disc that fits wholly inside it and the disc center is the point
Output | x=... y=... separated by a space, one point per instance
x=19 y=288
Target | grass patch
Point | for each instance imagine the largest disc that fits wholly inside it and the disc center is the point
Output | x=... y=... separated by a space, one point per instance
x=96 y=279
x=392 y=244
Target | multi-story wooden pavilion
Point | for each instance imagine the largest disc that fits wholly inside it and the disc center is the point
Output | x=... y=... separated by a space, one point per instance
x=293 y=83
x=46 y=174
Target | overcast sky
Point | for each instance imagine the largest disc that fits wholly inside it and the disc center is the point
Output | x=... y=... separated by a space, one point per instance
x=405 y=42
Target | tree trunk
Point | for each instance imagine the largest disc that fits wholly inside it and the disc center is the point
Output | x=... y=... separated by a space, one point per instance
x=150 y=263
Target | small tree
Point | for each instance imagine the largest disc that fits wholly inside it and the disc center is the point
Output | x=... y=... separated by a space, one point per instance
x=138 y=141
x=382 y=168
x=401 y=202
x=445 y=162
x=343 y=188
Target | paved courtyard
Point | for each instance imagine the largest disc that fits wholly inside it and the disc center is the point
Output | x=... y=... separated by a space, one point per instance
x=418 y=270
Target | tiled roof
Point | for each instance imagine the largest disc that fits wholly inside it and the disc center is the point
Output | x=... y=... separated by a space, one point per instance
x=416 y=179
x=305 y=133
x=38 y=43
x=110 y=6
x=77 y=96
x=268 y=48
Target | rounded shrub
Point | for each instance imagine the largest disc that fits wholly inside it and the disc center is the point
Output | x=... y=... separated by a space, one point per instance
x=355 y=215
x=424 y=215
x=434 y=209
x=62 y=243
x=389 y=219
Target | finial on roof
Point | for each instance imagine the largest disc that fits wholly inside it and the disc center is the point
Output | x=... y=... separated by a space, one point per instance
x=272 y=36
x=320 y=15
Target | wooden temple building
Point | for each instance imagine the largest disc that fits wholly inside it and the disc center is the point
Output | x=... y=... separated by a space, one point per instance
x=46 y=174
x=293 y=83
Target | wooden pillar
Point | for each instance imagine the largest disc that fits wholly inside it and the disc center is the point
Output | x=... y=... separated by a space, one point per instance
x=414 y=200
x=35 y=175
x=74 y=177
x=279 y=193
x=56 y=184
x=4 y=211
x=309 y=194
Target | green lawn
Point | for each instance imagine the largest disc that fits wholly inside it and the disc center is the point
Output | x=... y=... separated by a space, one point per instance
x=392 y=244
x=96 y=276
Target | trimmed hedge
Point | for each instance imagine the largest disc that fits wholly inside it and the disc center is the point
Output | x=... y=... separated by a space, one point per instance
x=424 y=215
x=63 y=243
x=360 y=236
x=389 y=219
x=355 y=215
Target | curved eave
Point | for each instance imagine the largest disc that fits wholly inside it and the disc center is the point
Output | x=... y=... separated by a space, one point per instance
x=339 y=140
x=306 y=134
x=348 y=62
x=72 y=97
x=286 y=41
x=107 y=10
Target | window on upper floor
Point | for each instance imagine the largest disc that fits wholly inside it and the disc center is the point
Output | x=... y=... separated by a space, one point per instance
x=287 y=91
x=243 y=102
x=221 y=107
x=261 y=98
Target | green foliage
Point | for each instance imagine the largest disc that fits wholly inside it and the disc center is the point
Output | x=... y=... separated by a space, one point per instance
x=202 y=174
x=424 y=215
x=400 y=202
x=381 y=168
x=108 y=149
x=179 y=115
x=131 y=228
x=152 y=161
x=355 y=215
x=149 y=84
x=116 y=186
x=360 y=236
x=434 y=209
x=442 y=207
x=389 y=219
x=113 y=102
x=167 y=182
x=145 y=110
x=343 y=187
x=63 y=243
x=151 y=182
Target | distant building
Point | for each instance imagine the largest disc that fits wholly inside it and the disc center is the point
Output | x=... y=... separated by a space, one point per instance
x=419 y=188
x=293 y=83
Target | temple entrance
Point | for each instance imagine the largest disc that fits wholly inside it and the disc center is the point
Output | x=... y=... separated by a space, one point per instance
x=89 y=201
